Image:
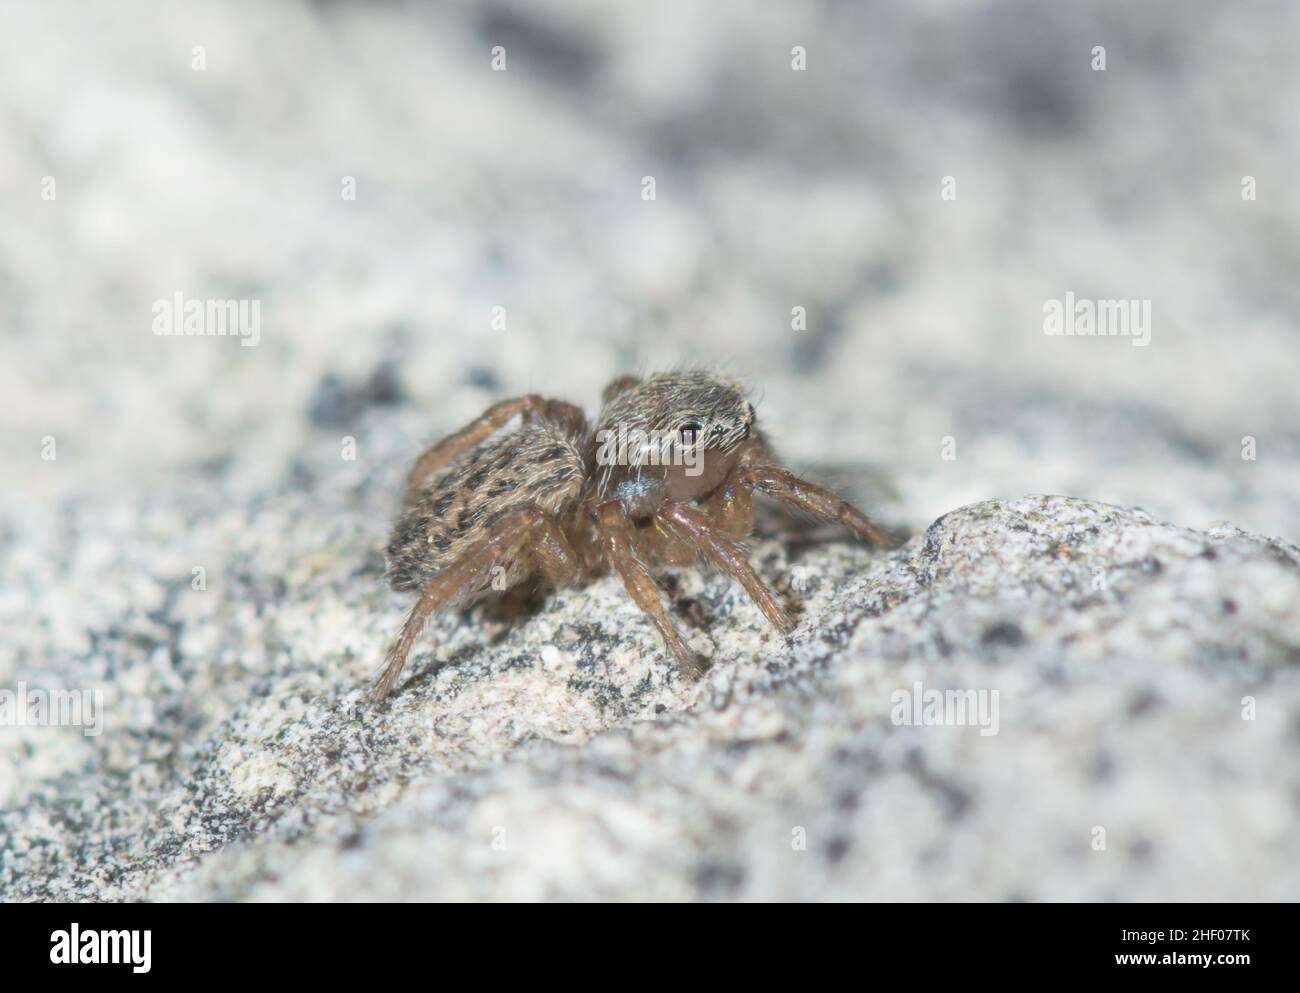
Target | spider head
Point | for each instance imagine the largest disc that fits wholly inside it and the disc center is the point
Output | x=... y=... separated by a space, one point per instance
x=673 y=436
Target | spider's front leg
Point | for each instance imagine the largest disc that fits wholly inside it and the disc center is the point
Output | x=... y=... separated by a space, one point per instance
x=757 y=473
x=695 y=527
x=527 y=530
x=616 y=539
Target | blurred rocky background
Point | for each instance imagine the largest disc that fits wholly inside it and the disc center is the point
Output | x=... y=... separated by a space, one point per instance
x=424 y=234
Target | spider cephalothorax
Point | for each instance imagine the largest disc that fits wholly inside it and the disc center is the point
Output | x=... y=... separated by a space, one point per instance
x=672 y=436
x=666 y=477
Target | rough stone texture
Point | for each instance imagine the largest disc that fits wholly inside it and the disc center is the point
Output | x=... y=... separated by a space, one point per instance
x=244 y=763
x=558 y=755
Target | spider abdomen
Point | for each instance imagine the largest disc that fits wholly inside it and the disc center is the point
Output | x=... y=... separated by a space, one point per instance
x=537 y=464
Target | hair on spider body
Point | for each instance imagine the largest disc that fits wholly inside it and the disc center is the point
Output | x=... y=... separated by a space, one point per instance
x=666 y=477
x=535 y=464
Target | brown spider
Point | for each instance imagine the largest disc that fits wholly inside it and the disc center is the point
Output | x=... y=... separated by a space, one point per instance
x=667 y=476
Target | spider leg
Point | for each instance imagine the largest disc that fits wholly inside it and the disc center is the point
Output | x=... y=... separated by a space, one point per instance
x=532 y=407
x=552 y=551
x=527 y=525
x=727 y=554
x=615 y=534
x=784 y=485
x=618 y=386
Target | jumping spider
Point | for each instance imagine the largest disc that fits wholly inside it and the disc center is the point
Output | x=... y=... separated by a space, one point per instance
x=667 y=477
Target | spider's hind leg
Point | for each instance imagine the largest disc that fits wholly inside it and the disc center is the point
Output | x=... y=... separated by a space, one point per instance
x=529 y=530
x=532 y=407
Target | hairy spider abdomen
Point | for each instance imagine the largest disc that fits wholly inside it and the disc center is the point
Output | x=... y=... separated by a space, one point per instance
x=537 y=464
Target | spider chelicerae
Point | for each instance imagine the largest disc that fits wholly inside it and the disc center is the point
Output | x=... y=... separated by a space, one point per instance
x=666 y=477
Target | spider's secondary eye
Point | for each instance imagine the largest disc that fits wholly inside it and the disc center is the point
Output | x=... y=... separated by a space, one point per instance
x=690 y=431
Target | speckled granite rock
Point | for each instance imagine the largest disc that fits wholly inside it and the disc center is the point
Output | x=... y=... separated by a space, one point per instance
x=236 y=758
x=560 y=756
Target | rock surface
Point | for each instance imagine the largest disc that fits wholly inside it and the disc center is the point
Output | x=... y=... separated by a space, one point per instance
x=560 y=757
x=194 y=528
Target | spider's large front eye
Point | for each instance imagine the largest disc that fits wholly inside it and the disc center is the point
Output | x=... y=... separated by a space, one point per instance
x=690 y=432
